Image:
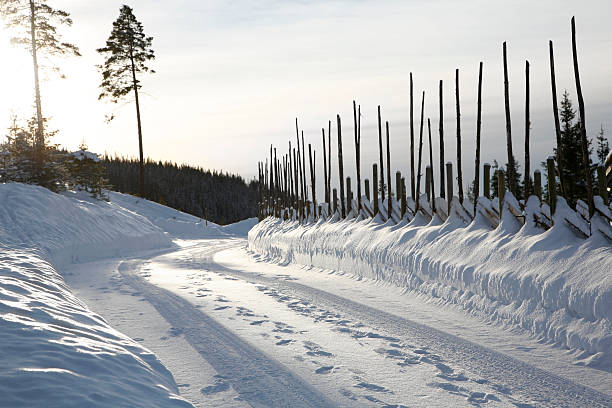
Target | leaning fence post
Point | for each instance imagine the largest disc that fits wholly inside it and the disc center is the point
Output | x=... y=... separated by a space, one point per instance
x=487 y=180
x=552 y=185
x=537 y=184
x=601 y=179
x=449 y=185
x=375 y=189
x=501 y=190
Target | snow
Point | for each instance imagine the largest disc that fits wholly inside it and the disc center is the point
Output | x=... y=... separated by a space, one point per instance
x=85 y=154
x=55 y=352
x=553 y=284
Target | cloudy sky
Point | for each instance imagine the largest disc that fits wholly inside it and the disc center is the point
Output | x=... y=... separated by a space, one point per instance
x=233 y=75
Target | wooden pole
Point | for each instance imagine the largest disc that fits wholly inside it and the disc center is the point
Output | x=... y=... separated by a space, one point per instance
x=398 y=184
x=537 y=184
x=449 y=186
x=335 y=200
x=553 y=86
x=585 y=152
x=412 y=184
x=432 y=187
x=296 y=182
x=341 y=168
x=527 y=181
x=552 y=188
x=325 y=167
x=511 y=175
x=375 y=189
x=304 y=168
x=367 y=188
x=418 y=188
x=329 y=157
x=428 y=183
x=357 y=118
x=302 y=199
x=403 y=194
x=487 y=180
x=441 y=131
x=478 y=127
x=601 y=180
x=389 y=201
x=313 y=162
x=349 y=196
x=459 y=167
x=382 y=166
x=501 y=190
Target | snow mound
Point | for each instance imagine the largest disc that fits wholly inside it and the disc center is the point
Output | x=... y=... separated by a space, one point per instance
x=552 y=283
x=55 y=352
x=240 y=228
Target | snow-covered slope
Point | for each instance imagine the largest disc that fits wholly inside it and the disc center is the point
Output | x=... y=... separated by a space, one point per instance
x=54 y=351
x=552 y=283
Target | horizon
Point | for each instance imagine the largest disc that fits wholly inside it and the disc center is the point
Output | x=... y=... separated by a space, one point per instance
x=232 y=78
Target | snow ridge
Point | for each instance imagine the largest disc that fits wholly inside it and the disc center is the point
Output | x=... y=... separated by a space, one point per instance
x=551 y=283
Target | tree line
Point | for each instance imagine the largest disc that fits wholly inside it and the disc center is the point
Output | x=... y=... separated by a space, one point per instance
x=216 y=196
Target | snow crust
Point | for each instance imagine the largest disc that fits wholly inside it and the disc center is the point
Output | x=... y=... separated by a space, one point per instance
x=55 y=352
x=554 y=284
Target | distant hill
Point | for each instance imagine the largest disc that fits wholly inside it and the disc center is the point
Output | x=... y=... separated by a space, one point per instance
x=221 y=197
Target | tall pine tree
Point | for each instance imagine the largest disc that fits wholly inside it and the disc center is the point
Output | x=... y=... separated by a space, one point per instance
x=127 y=51
x=603 y=148
x=35 y=24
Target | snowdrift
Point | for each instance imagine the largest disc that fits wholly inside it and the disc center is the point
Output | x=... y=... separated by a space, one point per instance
x=553 y=283
x=55 y=352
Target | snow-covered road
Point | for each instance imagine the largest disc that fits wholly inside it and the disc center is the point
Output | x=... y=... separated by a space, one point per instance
x=236 y=331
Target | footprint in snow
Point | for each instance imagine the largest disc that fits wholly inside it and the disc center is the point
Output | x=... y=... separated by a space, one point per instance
x=222 y=307
x=220 y=385
x=371 y=387
x=284 y=342
x=324 y=370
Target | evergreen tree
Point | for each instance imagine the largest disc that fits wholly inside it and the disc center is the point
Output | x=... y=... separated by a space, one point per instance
x=87 y=172
x=35 y=23
x=603 y=149
x=494 y=185
x=571 y=153
x=127 y=51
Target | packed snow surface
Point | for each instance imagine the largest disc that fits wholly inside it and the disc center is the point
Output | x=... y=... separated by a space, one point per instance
x=55 y=352
x=554 y=284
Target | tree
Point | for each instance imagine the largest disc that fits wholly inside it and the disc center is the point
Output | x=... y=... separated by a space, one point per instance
x=127 y=51
x=36 y=25
x=603 y=149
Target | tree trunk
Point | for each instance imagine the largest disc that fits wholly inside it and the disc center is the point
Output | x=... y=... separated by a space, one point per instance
x=341 y=168
x=459 y=167
x=585 y=147
x=304 y=167
x=380 y=150
x=441 y=130
x=301 y=174
x=135 y=84
x=412 y=138
x=511 y=175
x=329 y=157
x=418 y=186
x=313 y=162
x=433 y=184
x=39 y=140
x=553 y=85
x=478 y=127
x=527 y=182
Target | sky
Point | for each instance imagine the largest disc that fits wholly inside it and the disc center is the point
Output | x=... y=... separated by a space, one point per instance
x=232 y=76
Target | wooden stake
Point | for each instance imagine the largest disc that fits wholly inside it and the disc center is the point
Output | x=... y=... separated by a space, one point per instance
x=313 y=162
x=449 y=186
x=335 y=200
x=441 y=131
x=487 y=180
x=459 y=167
x=412 y=185
x=584 y=143
x=501 y=191
x=432 y=187
x=478 y=126
x=398 y=184
x=375 y=189
x=304 y=168
x=403 y=194
x=329 y=157
x=357 y=118
x=527 y=181
x=325 y=167
x=389 y=201
x=428 y=183
x=553 y=86
x=349 y=196
x=511 y=175
x=382 y=166
x=552 y=188
x=418 y=188
x=537 y=184
x=367 y=188
x=341 y=168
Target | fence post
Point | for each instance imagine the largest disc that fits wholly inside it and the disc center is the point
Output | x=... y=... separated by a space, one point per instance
x=601 y=179
x=335 y=200
x=375 y=189
x=428 y=183
x=449 y=185
x=403 y=190
x=349 y=196
x=501 y=190
x=398 y=185
x=367 y=188
x=487 y=181
x=552 y=185
x=537 y=183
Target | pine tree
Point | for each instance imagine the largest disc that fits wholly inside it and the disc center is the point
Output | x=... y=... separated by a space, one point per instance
x=603 y=149
x=35 y=23
x=127 y=51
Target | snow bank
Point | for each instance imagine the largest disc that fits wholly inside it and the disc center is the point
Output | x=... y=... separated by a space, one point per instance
x=552 y=283
x=55 y=352
x=72 y=227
